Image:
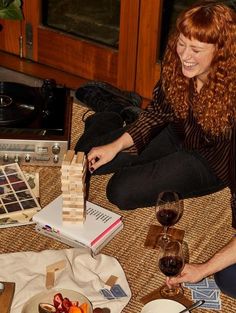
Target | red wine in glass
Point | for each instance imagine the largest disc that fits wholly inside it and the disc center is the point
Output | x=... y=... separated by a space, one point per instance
x=171 y=263
x=169 y=208
x=167 y=217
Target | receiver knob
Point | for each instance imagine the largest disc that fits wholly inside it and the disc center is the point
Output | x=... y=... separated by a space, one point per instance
x=27 y=158
x=56 y=148
x=55 y=159
x=5 y=158
x=16 y=158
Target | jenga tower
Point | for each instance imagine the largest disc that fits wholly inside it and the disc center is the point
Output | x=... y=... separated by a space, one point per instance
x=73 y=174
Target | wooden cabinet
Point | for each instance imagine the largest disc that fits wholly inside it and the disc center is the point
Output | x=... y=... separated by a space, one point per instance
x=48 y=52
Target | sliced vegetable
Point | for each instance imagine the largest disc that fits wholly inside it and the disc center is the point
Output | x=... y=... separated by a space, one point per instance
x=75 y=309
x=84 y=307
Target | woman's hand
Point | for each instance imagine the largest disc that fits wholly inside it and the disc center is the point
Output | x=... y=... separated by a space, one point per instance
x=191 y=273
x=99 y=156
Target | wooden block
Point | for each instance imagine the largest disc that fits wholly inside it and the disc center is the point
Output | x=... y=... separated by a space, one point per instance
x=80 y=157
x=75 y=177
x=50 y=279
x=68 y=157
x=56 y=266
x=73 y=184
x=50 y=272
x=69 y=211
x=75 y=180
x=155 y=232
x=73 y=220
x=65 y=188
x=111 y=281
x=65 y=181
x=75 y=168
x=77 y=200
x=73 y=197
x=70 y=215
x=6 y=297
x=73 y=210
x=73 y=204
x=75 y=189
x=74 y=213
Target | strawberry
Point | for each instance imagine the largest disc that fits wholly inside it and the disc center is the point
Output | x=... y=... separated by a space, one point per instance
x=57 y=300
x=66 y=304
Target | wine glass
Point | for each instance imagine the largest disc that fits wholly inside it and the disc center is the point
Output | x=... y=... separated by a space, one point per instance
x=171 y=263
x=169 y=208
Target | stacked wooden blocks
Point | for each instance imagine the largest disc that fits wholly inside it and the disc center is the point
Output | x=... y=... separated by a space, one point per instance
x=73 y=187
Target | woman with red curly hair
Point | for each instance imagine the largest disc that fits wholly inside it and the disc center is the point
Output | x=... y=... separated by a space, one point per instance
x=185 y=139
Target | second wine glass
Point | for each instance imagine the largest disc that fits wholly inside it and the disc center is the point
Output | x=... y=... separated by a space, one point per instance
x=169 y=208
x=171 y=263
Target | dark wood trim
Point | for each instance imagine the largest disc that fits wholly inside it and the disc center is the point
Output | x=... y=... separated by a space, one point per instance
x=148 y=70
x=128 y=44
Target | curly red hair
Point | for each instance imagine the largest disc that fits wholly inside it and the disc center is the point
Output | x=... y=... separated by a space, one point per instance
x=215 y=108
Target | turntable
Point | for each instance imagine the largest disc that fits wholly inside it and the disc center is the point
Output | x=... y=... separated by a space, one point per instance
x=35 y=123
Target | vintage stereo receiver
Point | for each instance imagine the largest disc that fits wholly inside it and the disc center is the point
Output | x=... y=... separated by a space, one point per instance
x=35 y=123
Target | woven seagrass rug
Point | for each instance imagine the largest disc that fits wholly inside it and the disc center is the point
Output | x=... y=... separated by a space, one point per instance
x=206 y=222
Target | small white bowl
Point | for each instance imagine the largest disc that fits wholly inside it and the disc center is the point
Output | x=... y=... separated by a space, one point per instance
x=163 y=306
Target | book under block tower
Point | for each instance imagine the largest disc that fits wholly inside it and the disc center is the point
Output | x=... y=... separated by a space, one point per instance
x=73 y=187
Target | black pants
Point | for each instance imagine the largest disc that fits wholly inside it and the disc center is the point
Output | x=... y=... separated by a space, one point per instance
x=226 y=279
x=163 y=165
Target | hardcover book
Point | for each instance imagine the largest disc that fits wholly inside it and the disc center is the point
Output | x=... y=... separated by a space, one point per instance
x=96 y=248
x=99 y=227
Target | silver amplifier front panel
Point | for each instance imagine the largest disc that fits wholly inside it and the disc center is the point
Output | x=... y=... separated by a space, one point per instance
x=32 y=152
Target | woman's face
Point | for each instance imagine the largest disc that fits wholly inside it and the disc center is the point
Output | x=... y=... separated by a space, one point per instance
x=195 y=57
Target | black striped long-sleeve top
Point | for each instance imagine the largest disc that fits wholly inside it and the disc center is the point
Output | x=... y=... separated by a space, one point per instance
x=219 y=152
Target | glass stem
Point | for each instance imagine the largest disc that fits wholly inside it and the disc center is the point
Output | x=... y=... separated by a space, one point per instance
x=165 y=232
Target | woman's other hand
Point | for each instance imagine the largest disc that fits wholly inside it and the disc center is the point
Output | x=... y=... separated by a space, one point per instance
x=101 y=155
x=191 y=273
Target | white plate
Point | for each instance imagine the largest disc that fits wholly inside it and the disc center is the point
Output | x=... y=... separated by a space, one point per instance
x=163 y=306
x=31 y=306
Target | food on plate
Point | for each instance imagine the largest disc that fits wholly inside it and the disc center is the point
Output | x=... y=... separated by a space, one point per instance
x=46 y=308
x=98 y=310
x=75 y=309
x=63 y=305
